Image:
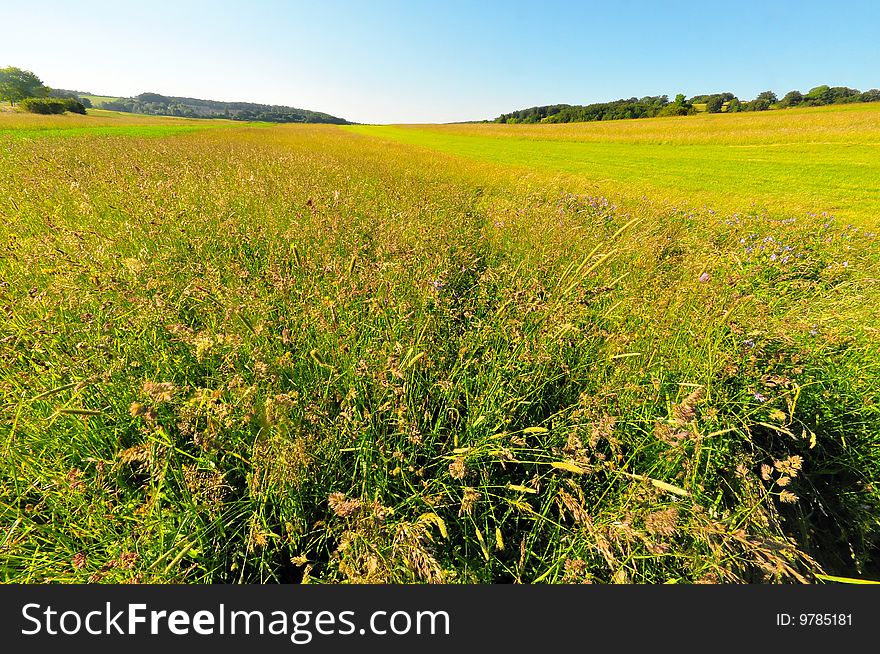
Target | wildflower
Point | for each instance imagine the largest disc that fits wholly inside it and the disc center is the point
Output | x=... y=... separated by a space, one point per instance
x=669 y=435
x=574 y=507
x=126 y=560
x=74 y=478
x=468 y=500
x=749 y=343
x=575 y=570
x=790 y=466
x=788 y=497
x=138 y=454
x=704 y=278
x=760 y=397
x=342 y=506
x=159 y=392
x=458 y=468
x=662 y=523
x=685 y=412
x=777 y=415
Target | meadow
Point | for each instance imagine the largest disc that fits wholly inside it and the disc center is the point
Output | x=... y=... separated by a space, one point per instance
x=465 y=354
x=102 y=123
x=799 y=160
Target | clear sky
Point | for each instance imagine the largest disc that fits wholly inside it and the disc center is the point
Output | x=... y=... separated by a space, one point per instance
x=442 y=60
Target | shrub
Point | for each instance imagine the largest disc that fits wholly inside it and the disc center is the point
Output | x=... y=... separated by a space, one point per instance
x=74 y=106
x=44 y=105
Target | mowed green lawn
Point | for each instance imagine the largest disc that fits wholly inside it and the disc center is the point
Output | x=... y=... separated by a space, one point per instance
x=792 y=161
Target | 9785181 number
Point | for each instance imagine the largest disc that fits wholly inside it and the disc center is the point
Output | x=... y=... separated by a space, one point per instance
x=814 y=619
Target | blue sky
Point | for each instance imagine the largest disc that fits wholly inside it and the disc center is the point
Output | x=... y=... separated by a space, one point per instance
x=446 y=60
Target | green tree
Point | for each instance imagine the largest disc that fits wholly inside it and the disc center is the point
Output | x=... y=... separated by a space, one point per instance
x=872 y=95
x=792 y=99
x=714 y=104
x=818 y=95
x=17 y=84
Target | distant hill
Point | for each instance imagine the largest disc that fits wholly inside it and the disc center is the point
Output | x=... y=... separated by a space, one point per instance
x=155 y=104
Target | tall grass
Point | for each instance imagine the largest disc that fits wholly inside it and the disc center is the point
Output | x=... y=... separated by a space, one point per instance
x=302 y=354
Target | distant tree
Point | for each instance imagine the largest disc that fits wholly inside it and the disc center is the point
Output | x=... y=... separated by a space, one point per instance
x=825 y=94
x=73 y=105
x=70 y=95
x=792 y=99
x=714 y=104
x=650 y=106
x=872 y=95
x=818 y=95
x=679 y=107
x=17 y=84
x=842 y=95
x=675 y=109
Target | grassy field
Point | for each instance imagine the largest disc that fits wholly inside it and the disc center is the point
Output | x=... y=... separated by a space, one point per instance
x=99 y=122
x=823 y=159
x=323 y=354
x=96 y=100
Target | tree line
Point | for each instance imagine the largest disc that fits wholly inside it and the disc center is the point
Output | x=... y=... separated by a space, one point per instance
x=660 y=105
x=26 y=90
x=161 y=105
